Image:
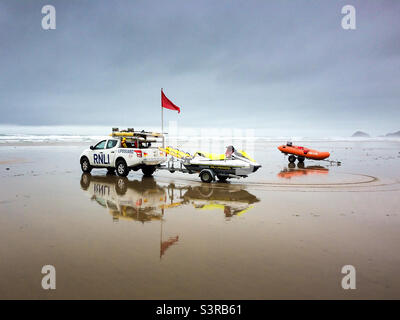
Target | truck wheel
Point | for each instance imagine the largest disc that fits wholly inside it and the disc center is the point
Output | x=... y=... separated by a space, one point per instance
x=292 y=158
x=122 y=168
x=85 y=165
x=121 y=186
x=85 y=180
x=148 y=170
x=206 y=176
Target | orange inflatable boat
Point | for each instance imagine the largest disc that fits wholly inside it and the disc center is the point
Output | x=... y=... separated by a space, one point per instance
x=302 y=153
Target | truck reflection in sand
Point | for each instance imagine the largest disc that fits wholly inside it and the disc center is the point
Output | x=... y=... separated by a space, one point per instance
x=145 y=200
x=291 y=171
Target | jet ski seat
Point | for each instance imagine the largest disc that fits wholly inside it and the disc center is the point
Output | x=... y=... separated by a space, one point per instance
x=230 y=150
x=211 y=156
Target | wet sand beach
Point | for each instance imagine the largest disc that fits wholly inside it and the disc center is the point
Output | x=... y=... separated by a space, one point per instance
x=284 y=232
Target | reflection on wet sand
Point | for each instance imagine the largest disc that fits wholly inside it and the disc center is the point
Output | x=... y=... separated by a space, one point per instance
x=291 y=171
x=233 y=200
x=291 y=245
x=146 y=201
x=125 y=199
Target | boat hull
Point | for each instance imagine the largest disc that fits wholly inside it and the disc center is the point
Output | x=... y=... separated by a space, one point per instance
x=304 y=152
x=222 y=167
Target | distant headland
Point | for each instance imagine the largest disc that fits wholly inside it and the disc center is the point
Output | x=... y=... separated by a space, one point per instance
x=360 y=134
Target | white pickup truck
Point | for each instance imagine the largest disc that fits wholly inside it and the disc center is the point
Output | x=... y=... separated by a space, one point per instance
x=125 y=151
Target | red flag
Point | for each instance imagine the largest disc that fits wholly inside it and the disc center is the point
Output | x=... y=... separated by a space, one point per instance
x=166 y=244
x=166 y=103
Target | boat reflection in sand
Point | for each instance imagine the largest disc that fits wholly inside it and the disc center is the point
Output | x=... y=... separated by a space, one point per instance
x=145 y=200
x=291 y=171
x=233 y=200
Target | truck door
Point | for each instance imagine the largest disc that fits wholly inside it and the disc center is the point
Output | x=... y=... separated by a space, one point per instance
x=109 y=152
x=97 y=154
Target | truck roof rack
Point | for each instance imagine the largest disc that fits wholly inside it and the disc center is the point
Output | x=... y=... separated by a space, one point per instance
x=130 y=132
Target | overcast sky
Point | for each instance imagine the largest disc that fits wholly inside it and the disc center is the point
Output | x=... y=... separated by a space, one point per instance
x=287 y=66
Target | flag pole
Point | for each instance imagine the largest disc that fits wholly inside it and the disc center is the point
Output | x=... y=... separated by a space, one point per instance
x=162 y=120
x=161 y=231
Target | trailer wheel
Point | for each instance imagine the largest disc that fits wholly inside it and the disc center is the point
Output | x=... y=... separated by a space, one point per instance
x=85 y=165
x=148 y=170
x=292 y=158
x=122 y=168
x=206 y=176
x=300 y=159
x=205 y=191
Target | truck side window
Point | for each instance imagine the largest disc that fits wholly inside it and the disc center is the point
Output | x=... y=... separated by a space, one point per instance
x=111 y=144
x=100 y=145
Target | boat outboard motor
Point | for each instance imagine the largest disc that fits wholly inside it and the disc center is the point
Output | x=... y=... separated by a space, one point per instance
x=289 y=143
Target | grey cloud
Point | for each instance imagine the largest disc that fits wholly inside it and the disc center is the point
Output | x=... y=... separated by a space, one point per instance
x=107 y=60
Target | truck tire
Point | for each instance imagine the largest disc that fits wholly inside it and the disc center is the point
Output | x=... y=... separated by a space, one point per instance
x=121 y=186
x=85 y=180
x=148 y=170
x=122 y=168
x=85 y=165
x=206 y=176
